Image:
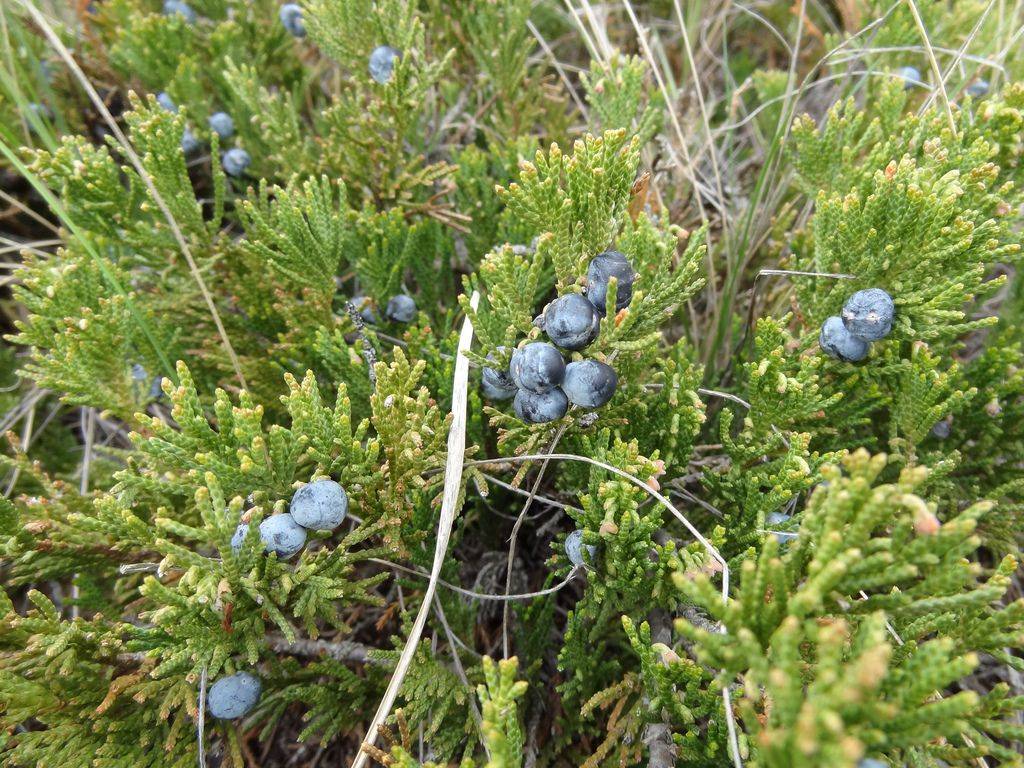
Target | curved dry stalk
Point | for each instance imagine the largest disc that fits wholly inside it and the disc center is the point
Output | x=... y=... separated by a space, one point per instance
x=919 y=22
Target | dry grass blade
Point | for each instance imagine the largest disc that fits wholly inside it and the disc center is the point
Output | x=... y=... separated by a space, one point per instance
x=680 y=136
x=201 y=721
x=129 y=151
x=919 y=22
x=449 y=507
x=29 y=212
x=705 y=120
x=558 y=68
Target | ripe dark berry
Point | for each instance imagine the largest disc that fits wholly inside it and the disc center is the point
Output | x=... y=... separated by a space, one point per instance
x=43 y=110
x=978 y=88
x=364 y=306
x=571 y=321
x=189 y=143
x=868 y=314
x=382 y=62
x=837 y=342
x=238 y=537
x=539 y=408
x=235 y=161
x=775 y=520
x=574 y=548
x=291 y=18
x=942 y=429
x=222 y=124
x=164 y=100
x=538 y=367
x=496 y=384
x=143 y=384
x=910 y=76
x=589 y=383
x=233 y=696
x=603 y=268
x=281 y=534
x=172 y=7
x=400 y=309
x=320 y=505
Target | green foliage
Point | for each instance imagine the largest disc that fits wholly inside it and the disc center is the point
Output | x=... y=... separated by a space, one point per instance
x=184 y=354
x=616 y=91
x=861 y=548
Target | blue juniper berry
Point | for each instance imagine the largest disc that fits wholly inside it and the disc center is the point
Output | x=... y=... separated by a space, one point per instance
x=540 y=408
x=233 y=696
x=836 y=341
x=382 y=62
x=589 y=383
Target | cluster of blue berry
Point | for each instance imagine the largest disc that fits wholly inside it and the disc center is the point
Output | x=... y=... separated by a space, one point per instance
x=538 y=378
x=382 y=58
x=318 y=506
x=234 y=161
x=867 y=316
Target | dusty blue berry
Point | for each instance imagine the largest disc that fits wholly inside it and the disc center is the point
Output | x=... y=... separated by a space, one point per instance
x=870 y=762
x=233 y=696
x=538 y=367
x=496 y=384
x=838 y=342
x=775 y=520
x=235 y=161
x=238 y=537
x=364 y=306
x=222 y=124
x=539 y=408
x=571 y=321
x=602 y=269
x=140 y=379
x=42 y=110
x=189 y=143
x=320 y=505
x=281 y=534
x=978 y=88
x=574 y=548
x=382 y=62
x=942 y=429
x=868 y=314
x=291 y=18
x=910 y=76
x=400 y=309
x=164 y=100
x=172 y=7
x=589 y=383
